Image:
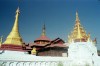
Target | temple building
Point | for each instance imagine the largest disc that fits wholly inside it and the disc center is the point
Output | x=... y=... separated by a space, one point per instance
x=14 y=40
x=53 y=47
x=39 y=42
x=78 y=34
x=47 y=47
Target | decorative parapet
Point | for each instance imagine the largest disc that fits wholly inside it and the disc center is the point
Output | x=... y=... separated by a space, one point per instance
x=33 y=63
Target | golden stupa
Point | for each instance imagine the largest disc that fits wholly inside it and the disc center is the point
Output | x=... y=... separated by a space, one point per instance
x=33 y=52
x=78 y=34
x=14 y=36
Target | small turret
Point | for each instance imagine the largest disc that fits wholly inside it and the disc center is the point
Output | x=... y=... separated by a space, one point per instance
x=1 y=40
x=94 y=41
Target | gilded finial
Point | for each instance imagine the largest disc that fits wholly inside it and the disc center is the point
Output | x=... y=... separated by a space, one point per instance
x=77 y=18
x=18 y=11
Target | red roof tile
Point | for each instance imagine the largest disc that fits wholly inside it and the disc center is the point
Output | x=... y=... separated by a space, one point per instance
x=57 y=45
x=43 y=38
x=34 y=44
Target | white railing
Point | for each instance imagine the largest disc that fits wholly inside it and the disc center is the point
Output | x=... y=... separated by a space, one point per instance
x=32 y=63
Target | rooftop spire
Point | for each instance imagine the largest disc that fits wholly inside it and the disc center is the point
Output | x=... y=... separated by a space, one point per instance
x=77 y=18
x=43 y=39
x=14 y=36
x=78 y=34
x=43 y=30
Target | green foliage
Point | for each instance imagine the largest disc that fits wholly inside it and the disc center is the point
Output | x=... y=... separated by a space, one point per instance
x=87 y=64
x=60 y=64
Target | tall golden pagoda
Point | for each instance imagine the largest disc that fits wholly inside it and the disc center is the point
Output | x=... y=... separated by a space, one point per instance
x=78 y=34
x=14 y=36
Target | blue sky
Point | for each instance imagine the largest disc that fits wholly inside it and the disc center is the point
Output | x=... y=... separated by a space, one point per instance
x=58 y=15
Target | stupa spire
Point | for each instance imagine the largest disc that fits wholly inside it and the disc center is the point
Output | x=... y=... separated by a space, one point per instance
x=15 y=27
x=14 y=36
x=43 y=30
x=77 y=18
x=78 y=33
x=78 y=25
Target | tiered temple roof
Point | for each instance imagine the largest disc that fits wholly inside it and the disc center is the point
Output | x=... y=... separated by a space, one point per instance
x=78 y=34
x=43 y=39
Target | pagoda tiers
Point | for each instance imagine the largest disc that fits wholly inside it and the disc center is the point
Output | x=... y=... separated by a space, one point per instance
x=13 y=40
x=78 y=34
x=43 y=39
